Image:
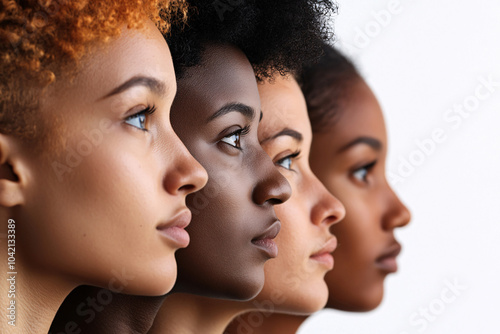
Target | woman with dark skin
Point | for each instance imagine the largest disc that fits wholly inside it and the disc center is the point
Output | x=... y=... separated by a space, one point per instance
x=217 y=112
x=309 y=251
x=348 y=153
x=294 y=281
x=93 y=179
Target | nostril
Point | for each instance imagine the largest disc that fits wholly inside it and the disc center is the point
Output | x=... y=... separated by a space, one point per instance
x=187 y=188
x=275 y=201
x=333 y=219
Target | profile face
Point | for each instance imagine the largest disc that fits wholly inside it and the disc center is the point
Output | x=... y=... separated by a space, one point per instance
x=305 y=242
x=349 y=158
x=106 y=204
x=216 y=113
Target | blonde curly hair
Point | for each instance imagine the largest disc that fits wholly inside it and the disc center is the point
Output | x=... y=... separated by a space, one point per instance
x=42 y=40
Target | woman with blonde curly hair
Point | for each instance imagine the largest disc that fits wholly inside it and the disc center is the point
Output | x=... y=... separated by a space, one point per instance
x=93 y=178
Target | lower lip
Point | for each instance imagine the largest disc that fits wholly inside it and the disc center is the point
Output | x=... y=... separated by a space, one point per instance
x=325 y=259
x=177 y=235
x=268 y=246
x=388 y=264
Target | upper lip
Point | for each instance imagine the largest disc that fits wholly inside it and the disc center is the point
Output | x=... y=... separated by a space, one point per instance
x=180 y=220
x=328 y=247
x=392 y=251
x=271 y=232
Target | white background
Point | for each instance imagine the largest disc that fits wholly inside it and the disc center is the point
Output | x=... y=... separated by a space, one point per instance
x=422 y=61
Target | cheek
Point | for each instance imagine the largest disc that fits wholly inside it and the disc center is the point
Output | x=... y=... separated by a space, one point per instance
x=220 y=229
x=358 y=234
x=294 y=234
x=291 y=278
x=102 y=215
x=118 y=178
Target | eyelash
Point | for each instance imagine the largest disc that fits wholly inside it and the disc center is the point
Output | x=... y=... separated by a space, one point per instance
x=238 y=133
x=289 y=157
x=149 y=110
x=367 y=168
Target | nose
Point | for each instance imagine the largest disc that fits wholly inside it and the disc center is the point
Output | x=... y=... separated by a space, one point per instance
x=397 y=214
x=185 y=174
x=326 y=208
x=272 y=187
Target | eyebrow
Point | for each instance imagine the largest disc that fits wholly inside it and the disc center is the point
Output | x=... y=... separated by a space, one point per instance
x=375 y=144
x=153 y=84
x=285 y=132
x=247 y=111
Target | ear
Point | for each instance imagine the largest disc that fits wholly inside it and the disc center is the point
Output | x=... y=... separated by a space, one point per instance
x=11 y=185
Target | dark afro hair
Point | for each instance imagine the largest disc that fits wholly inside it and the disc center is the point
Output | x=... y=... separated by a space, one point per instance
x=275 y=35
x=325 y=86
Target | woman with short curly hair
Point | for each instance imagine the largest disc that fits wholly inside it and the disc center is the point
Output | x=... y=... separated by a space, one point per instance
x=93 y=178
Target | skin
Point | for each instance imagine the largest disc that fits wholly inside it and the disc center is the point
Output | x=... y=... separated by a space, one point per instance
x=307 y=217
x=373 y=210
x=103 y=209
x=295 y=280
x=345 y=165
x=236 y=207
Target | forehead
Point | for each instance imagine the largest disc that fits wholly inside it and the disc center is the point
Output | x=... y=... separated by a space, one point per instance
x=360 y=115
x=136 y=52
x=225 y=75
x=283 y=106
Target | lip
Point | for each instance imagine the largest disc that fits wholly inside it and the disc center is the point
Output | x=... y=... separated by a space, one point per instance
x=387 y=261
x=265 y=241
x=174 y=230
x=324 y=254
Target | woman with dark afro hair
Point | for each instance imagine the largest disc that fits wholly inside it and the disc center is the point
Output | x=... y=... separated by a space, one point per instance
x=85 y=179
x=217 y=113
x=217 y=57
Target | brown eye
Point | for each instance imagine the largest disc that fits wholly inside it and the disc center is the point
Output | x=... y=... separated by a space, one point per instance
x=233 y=139
x=361 y=174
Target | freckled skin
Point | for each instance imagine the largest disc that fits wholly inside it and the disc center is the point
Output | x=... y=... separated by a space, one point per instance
x=373 y=210
x=237 y=204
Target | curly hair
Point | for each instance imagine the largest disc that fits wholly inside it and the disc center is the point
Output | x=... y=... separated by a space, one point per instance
x=325 y=86
x=275 y=35
x=43 y=40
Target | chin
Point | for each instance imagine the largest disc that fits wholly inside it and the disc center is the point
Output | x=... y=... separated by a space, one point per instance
x=306 y=304
x=241 y=287
x=155 y=285
x=244 y=289
x=357 y=302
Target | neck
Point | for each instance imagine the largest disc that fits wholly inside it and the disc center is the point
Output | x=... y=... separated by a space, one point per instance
x=258 y=322
x=190 y=314
x=97 y=310
x=30 y=298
